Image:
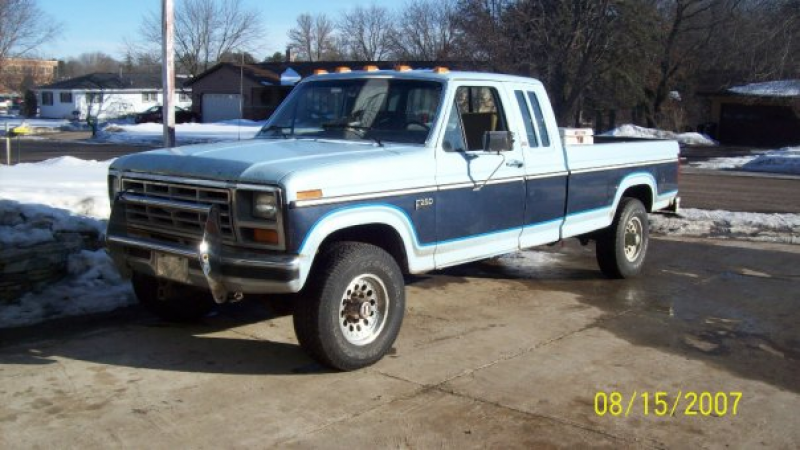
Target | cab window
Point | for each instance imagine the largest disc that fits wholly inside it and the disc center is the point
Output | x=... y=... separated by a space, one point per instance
x=537 y=112
x=480 y=110
x=526 y=118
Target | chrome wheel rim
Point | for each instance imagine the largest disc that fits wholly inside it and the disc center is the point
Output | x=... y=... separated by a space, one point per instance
x=363 y=309
x=634 y=239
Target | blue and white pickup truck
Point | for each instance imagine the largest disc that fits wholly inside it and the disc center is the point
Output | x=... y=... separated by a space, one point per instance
x=361 y=177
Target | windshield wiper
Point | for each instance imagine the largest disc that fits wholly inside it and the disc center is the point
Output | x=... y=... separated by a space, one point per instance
x=361 y=131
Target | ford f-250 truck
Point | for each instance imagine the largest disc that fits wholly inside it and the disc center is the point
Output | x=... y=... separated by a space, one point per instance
x=361 y=177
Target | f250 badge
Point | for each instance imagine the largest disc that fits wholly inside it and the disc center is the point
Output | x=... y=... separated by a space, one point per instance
x=423 y=203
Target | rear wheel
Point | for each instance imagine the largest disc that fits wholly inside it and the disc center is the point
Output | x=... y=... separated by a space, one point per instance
x=622 y=247
x=171 y=301
x=351 y=313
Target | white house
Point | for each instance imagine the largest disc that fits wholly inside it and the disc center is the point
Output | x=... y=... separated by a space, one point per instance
x=106 y=95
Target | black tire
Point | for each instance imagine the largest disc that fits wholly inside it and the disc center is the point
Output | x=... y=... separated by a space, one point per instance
x=617 y=257
x=351 y=284
x=171 y=301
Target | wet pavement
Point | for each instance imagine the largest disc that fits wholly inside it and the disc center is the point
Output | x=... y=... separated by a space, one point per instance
x=506 y=353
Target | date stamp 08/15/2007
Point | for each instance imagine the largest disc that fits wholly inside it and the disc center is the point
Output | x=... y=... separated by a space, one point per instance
x=664 y=404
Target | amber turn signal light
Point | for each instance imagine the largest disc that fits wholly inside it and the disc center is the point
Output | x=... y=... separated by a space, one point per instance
x=265 y=236
x=309 y=195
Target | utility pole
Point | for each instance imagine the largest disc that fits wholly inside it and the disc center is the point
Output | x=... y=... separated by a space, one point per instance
x=168 y=71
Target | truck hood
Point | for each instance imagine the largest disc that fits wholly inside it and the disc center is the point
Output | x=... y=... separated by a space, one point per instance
x=262 y=161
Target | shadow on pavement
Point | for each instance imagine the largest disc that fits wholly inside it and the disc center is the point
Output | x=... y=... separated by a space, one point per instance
x=212 y=346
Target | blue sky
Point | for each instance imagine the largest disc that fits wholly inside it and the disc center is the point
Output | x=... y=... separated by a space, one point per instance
x=103 y=25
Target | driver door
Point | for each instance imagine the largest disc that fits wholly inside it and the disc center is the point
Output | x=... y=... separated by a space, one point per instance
x=481 y=194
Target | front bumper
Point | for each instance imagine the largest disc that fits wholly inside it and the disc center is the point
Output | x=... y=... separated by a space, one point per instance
x=226 y=270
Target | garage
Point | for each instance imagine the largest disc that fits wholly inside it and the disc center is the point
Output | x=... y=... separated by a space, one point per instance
x=766 y=125
x=218 y=107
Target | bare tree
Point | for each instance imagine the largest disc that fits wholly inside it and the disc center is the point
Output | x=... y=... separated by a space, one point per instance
x=563 y=43
x=24 y=27
x=86 y=63
x=761 y=43
x=367 y=32
x=687 y=28
x=314 y=38
x=481 y=34
x=426 y=30
x=205 y=30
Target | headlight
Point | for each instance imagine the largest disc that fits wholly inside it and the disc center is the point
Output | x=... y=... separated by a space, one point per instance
x=265 y=205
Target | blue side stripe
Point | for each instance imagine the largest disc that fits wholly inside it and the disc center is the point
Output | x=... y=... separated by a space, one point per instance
x=464 y=238
x=411 y=225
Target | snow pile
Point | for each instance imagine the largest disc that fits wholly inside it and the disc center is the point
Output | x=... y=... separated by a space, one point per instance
x=781 y=88
x=783 y=228
x=785 y=161
x=185 y=133
x=66 y=182
x=29 y=224
x=93 y=285
x=635 y=131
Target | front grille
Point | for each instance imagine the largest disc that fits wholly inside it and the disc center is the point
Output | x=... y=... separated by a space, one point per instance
x=175 y=221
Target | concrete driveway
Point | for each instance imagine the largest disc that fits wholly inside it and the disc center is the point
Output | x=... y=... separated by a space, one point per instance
x=506 y=353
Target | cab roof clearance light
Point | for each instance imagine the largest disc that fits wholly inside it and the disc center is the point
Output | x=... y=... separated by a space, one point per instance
x=320 y=72
x=402 y=68
x=343 y=69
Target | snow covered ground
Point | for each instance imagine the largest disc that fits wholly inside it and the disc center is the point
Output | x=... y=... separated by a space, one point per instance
x=14 y=121
x=185 y=133
x=93 y=285
x=70 y=183
x=71 y=194
x=761 y=227
x=635 y=131
x=785 y=161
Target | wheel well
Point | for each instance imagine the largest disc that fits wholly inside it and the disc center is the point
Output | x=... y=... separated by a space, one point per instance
x=642 y=193
x=379 y=235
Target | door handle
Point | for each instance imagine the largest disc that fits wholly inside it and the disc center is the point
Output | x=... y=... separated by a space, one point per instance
x=514 y=163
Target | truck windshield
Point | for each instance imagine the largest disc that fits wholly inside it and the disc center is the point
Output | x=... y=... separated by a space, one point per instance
x=357 y=109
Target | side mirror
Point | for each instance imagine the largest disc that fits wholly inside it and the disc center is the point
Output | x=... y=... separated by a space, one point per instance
x=498 y=141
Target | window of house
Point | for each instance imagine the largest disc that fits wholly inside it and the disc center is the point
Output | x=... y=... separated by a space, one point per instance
x=65 y=97
x=480 y=111
x=47 y=98
x=149 y=97
x=94 y=97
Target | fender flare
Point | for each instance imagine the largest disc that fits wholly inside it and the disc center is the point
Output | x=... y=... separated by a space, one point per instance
x=420 y=256
x=633 y=180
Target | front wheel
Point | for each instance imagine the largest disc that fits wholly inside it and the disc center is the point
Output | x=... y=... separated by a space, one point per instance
x=351 y=313
x=621 y=248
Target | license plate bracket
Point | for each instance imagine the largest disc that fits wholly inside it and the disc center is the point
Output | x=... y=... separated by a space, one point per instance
x=171 y=267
